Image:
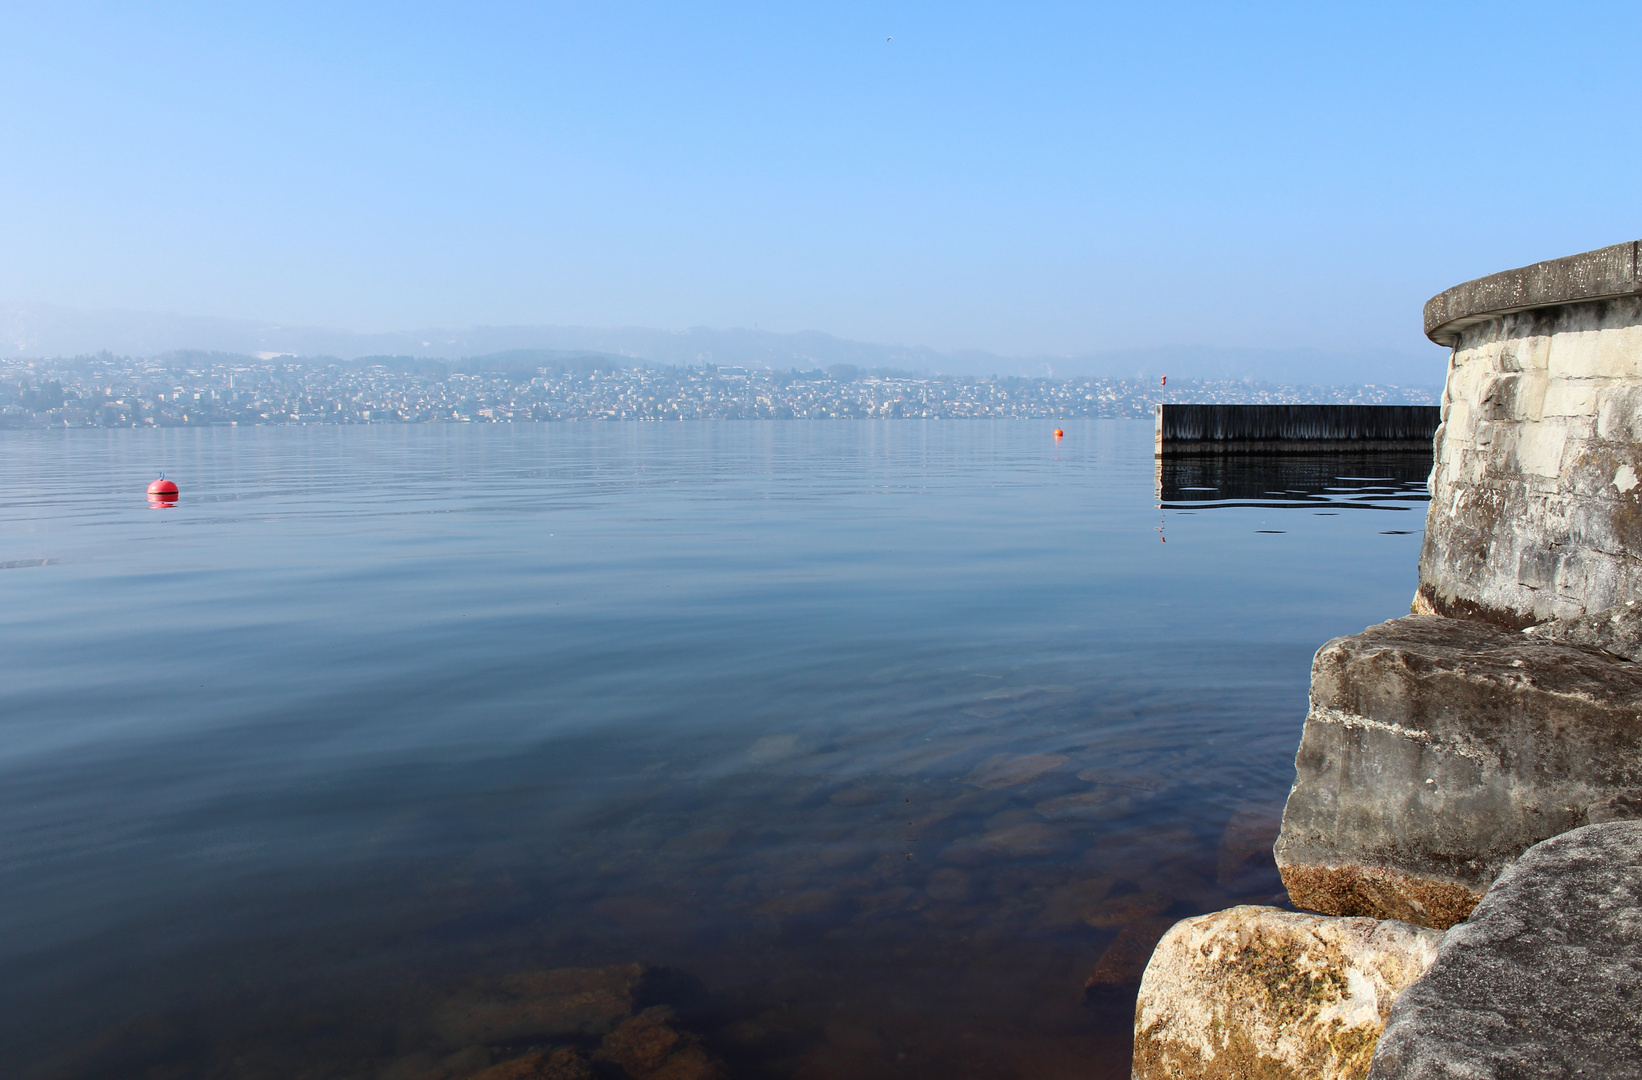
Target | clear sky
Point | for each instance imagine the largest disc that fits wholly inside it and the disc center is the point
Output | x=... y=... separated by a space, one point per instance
x=1022 y=178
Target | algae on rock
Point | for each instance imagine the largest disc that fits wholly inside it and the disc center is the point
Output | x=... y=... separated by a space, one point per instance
x=1260 y=992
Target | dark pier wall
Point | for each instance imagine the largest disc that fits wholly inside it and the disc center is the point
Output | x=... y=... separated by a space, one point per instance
x=1268 y=429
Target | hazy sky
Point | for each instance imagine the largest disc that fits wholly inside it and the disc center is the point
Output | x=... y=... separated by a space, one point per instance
x=1016 y=177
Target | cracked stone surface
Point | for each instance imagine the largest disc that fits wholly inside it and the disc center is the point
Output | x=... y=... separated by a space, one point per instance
x=1438 y=750
x=1544 y=980
x=1616 y=631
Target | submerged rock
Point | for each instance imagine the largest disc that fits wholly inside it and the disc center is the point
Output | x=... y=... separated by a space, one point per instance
x=1071 y=904
x=565 y=1063
x=469 y=1059
x=1118 y=911
x=1098 y=804
x=649 y=1046
x=540 y=1005
x=1545 y=978
x=1247 y=840
x=1121 y=966
x=1007 y=770
x=1437 y=751
x=422 y=1065
x=1019 y=841
x=1260 y=992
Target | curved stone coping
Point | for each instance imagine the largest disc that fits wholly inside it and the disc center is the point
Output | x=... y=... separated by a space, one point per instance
x=1593 y=275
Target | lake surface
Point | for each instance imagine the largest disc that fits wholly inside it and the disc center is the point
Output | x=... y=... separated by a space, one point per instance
x=874 y=740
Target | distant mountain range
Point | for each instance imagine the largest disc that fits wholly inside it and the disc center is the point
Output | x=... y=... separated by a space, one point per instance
x=41 y=331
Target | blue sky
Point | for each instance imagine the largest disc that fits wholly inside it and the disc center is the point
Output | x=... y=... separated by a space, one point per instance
x=1023 y=178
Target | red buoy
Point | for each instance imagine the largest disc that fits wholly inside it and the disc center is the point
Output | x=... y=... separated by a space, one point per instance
x=162 y=493
x=1059 y=433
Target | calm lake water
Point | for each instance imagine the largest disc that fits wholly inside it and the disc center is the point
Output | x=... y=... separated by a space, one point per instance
x=873 y=739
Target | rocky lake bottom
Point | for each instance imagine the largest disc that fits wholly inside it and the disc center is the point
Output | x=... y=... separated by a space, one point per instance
x=720 y=749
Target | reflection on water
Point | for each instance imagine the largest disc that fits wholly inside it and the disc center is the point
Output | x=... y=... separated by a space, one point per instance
x=1374 y=481
x=884 y=749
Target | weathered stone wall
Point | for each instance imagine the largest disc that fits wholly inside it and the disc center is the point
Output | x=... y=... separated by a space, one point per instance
x=1536 y=492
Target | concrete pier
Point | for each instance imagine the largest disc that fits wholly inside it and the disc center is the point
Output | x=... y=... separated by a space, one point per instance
x=1286 y=429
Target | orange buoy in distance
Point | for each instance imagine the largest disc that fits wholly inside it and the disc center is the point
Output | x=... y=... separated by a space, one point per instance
x=1059 y=433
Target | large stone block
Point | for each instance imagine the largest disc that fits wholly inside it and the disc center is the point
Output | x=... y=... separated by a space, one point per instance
x=1256 y=992
x=1545 y=980
x=1438 y=750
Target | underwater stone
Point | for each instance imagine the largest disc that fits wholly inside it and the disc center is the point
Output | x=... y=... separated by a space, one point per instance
x=649 y=1046
x=565 y=1063
x=1007 y=770
x=1247 y=840
x=540 y=1005
x=1123 y=963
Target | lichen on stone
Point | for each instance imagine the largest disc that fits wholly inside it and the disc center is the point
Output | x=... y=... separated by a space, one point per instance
x=1259 y=992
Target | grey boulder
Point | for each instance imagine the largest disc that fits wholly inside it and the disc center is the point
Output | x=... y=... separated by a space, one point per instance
x=1544 y=980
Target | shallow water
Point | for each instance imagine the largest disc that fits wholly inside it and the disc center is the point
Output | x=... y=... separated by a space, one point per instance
x=876 y=738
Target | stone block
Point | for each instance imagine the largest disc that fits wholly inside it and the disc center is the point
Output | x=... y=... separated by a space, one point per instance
x=1576 y=354
x=1531 y=390
x=1497 y=396
x=1545 y=978
x=1437 y=750
x=1259 y=992
x=1619 y=413
x=1619 y=353
x=1539 y=449
x=1459 y=426
x=1532 y=352
x=1569 y=398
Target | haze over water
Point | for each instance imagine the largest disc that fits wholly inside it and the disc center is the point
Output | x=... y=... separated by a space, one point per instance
x=877 y=735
